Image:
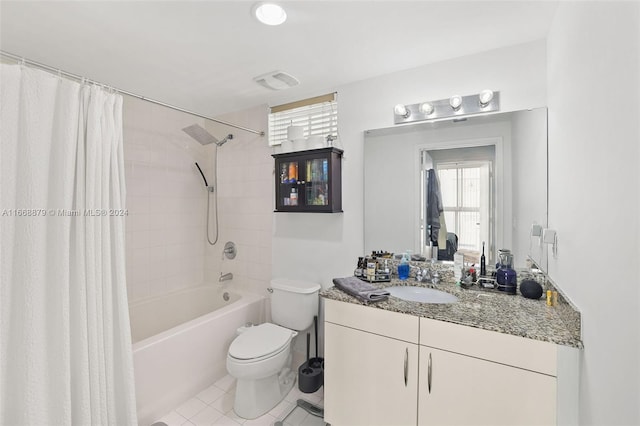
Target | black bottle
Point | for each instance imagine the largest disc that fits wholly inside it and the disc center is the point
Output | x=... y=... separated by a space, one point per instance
x=483 y=263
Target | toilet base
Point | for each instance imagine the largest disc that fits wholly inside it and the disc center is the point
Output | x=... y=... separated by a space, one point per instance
x=259 y=396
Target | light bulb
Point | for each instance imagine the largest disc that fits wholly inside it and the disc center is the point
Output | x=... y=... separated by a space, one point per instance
x=426 y=108
x=455 y=101
x=270 y=13
x=485 y=97
x=401 y=110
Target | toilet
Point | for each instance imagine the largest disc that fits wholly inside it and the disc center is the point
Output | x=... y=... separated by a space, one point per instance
x=260 y=356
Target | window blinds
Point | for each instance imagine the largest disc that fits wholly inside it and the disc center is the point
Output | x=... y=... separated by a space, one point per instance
x=318 y=116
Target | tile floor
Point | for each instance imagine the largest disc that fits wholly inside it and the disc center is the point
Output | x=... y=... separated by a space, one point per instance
x=214 y=407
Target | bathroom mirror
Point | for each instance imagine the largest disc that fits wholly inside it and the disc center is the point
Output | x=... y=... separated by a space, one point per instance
x=492 y=171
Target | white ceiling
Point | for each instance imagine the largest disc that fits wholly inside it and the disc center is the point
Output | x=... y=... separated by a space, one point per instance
x=203 y=55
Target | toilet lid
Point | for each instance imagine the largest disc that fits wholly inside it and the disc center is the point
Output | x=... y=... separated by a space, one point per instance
x=259 y=341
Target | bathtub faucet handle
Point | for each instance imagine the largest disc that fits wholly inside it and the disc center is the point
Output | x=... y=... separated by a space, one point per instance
x=229 y=250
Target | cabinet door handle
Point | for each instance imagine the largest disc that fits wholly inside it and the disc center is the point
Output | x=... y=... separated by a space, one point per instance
x=406 y=366
x=429 y=374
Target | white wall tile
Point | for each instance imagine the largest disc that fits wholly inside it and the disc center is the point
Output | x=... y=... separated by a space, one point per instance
x=166 y=201
x=166 y=228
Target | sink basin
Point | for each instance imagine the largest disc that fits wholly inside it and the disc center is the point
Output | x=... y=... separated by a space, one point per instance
x=421 y=294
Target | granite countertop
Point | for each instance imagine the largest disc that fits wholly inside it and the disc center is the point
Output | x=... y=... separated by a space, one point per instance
x=486 y=309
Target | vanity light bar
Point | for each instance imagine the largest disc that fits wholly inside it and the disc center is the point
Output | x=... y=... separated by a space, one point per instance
x=455 y=106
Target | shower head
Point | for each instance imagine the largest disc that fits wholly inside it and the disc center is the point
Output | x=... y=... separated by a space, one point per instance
x=198 y=133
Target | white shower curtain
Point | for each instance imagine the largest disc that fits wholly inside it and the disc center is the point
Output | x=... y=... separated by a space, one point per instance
x=65 y=346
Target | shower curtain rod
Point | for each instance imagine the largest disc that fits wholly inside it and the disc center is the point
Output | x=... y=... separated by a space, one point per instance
x=22 y=60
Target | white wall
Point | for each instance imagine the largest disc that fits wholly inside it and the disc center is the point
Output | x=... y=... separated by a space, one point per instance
x=322 y=246
x=593 y=50
x=529 y=171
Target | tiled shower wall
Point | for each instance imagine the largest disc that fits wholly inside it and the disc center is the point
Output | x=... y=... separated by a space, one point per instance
x=165 y=198
x=245 y=202
x=166 y=247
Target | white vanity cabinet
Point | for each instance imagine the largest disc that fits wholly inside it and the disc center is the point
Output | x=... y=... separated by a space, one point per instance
x=472 y=376
x=470 y=391
x=371 y=368
x=455 y=374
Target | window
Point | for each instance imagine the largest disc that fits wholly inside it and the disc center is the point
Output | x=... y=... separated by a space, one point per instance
x=318 y=116
x=467 y=194
x=464 y=187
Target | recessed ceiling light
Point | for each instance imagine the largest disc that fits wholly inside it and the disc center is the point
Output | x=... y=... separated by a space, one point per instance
x=269 y=13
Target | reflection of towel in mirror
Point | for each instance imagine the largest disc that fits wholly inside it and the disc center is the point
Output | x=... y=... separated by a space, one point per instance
x=435 y=210
x=361 y=290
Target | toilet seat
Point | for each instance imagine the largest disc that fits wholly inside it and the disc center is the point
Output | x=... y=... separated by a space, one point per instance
x=260 y=342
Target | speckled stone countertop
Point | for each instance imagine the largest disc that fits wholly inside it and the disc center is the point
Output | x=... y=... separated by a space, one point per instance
x=486 y=309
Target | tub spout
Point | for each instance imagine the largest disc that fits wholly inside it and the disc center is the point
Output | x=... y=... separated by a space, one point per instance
x=225 y=277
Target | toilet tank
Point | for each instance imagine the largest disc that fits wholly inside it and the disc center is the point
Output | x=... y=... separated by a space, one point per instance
x=294 y=303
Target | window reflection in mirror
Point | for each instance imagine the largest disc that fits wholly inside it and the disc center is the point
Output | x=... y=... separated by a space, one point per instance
x=466 y=183
x=493 y=176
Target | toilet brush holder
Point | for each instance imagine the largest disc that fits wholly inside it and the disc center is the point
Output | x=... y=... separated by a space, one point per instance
x=309 y=379
x=316 y=362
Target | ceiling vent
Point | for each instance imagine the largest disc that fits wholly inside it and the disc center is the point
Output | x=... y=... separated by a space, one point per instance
x=276 y=80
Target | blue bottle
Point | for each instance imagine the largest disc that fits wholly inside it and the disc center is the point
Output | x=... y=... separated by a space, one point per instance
x=506 y=276
x=403 y=267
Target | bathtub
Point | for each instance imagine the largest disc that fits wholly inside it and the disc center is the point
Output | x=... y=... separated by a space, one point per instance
x=180 y=343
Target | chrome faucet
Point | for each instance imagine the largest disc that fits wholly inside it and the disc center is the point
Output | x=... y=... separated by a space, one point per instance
x=423 y=275
x=225 y=277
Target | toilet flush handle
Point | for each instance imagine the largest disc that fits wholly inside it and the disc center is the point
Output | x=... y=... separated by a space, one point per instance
x=269 y=289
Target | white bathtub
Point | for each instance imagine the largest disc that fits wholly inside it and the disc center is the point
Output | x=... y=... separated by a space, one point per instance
x=180 y=343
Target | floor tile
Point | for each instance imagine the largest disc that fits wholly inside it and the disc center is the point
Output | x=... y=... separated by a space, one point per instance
x=225 y=421
x=173 y=419
x=312 y=420
x=227 y=383
x=282 y=408
x=213 y=406
x=206 y=417
x=315 y=397
x=236 y=418
x=210 y=394
x=265 y=420
x=191 y=408
x=224 y=404
x=294 y=394
x=296 y=417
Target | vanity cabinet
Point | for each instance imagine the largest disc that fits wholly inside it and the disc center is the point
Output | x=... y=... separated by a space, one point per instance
x=379 y=378
x=484 y=392
x=372 y=378
x=309 y=181
x=456 y=375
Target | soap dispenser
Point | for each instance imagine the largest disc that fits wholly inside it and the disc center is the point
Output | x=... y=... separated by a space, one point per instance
x=506 y=276
x=403 y=267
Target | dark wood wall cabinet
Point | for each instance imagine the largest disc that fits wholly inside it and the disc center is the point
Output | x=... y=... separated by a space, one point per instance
x=309 y=181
